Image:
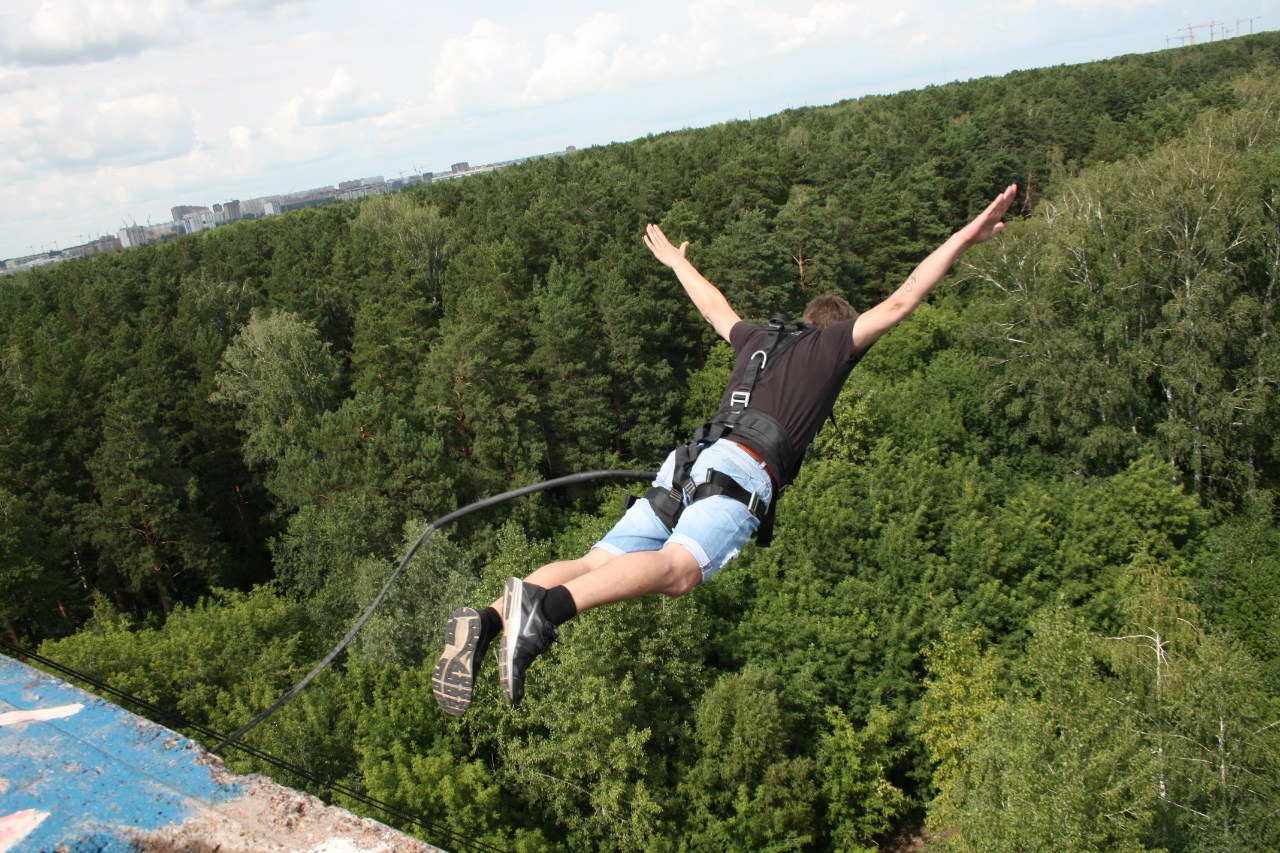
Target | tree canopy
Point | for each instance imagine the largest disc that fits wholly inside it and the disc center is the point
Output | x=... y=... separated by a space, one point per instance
x=1024 y=594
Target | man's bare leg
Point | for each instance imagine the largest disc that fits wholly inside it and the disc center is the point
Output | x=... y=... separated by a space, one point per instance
x=600 y=578
x=670 y=571
x=555 y=574
x=530 y=629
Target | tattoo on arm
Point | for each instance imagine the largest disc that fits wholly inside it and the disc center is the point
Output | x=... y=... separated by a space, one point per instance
x=911 y=283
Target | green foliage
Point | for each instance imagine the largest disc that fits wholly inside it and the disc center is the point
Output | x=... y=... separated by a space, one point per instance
x=281 y=377
x=744 y=790
x=1054 y=764
x=217 y=663
x=407 y=627
x=1208 y=723
x=853 y=765
x=1172 y=260
x=1024 y=591
x=705 y=388
x=1235 y=573
x=146 y=522
x=24 y=578
x=1156 y=738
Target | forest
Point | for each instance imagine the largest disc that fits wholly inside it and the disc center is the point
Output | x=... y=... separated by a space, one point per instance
x=1024 y=596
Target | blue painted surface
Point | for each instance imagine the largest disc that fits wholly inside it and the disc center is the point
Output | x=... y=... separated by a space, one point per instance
x=99 y=773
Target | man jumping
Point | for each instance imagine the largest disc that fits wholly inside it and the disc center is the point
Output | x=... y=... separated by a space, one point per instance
x=712 y=494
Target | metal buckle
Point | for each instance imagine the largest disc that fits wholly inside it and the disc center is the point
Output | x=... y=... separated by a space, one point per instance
x=740 y=398
x=754 y=503
x=687 y=488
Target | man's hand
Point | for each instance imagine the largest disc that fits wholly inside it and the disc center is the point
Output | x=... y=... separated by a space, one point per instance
x=875 y=321
x=661 y=246
x=988 y=224
x=705 y=296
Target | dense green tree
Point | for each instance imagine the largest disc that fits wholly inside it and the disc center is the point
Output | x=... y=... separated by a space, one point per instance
x=281 y=377
x=409 y=759
x=1209 y=725
x=744 y=790
x=1235 y=573
x=473 y=390
x=1168 y=257
x=573 y=382
x=399 y=255
x=29 y=590
x=146 y=522
x=853 y=767
x=217 y=662
x=748 y=266
x=1054 y=764
x=590 y=745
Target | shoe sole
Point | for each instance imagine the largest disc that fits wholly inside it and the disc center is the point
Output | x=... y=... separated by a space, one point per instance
x=512 y=603
x=454 y=678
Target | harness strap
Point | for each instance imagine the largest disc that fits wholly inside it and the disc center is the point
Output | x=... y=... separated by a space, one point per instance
x=668 y=504
x=722 y=484
x=783 y=332
x=740 y=421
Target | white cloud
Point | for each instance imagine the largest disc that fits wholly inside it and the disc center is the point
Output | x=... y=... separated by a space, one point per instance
x=241 y=137
x=1089 y=5
x=129 y=131
x=43 y=129
x=248 y=95
x=257 y=6
x=483 y=69
x=12 y=80
x=339 y=102
x=577 y=63
x=791 y=31
x=918 y=40
x=64 y=32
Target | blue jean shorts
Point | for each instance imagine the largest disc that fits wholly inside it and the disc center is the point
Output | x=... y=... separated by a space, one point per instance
x=715 y=529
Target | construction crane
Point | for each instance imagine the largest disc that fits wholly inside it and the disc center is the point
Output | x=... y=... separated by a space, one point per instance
x=1217 y=30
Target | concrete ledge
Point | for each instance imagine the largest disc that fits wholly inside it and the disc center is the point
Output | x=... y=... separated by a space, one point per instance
x=78 y=773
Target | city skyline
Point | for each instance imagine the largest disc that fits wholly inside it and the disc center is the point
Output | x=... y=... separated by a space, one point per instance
x=191 y=219
x=113 y=112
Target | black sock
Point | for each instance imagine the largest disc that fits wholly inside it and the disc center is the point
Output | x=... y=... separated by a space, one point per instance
x=558 y=605
x=490 y=627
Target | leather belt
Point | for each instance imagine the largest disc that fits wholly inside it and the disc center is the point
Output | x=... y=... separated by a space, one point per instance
x=759 y=457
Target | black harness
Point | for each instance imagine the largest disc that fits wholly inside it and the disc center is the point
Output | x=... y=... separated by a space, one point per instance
x=740 y=421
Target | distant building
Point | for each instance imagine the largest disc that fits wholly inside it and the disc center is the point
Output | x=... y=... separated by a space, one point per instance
x=163 y=231
x=132 y=235
x=197 y=220
x=102 y=244
x=176 y=213
x=226 y=213
x=30 y=262
x=190 y=219
x=361 y=182
x=362 y=188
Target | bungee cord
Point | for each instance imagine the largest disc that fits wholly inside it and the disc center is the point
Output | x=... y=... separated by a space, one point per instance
x=484 y=503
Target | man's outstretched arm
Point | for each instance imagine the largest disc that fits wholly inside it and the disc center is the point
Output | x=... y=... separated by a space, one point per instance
x=874 y=322
x=706 y=297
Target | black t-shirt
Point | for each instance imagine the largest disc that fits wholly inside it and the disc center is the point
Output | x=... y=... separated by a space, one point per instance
x=800 y=390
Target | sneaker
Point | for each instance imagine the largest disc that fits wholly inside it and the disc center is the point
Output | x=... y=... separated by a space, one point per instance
x=527 y=634
x=454 y=677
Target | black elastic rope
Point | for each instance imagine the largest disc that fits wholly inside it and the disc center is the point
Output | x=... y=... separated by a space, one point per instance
x=431 y=528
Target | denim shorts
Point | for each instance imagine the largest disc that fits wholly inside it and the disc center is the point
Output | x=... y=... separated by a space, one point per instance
x=714 y=529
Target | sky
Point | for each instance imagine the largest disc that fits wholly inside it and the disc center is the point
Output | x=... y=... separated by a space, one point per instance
x=115 y=111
